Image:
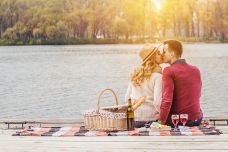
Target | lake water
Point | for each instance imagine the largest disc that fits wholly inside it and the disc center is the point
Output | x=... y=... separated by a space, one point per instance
x=63 y=81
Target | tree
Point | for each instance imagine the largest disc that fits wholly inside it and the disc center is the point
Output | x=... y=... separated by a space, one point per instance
x=61 y=30
x=132 y=19
x=120 y=28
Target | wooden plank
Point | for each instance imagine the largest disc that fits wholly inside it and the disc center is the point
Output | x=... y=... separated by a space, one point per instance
x=121 y=143
x=120 y=138
x=110 y=146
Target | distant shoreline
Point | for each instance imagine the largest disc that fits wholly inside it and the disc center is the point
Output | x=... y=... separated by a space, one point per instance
x=4 y=42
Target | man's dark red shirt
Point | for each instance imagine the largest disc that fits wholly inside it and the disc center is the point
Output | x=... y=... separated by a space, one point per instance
x=181 y=91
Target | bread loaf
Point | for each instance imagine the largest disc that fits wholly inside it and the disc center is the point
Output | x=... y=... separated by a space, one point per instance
x=138 y=102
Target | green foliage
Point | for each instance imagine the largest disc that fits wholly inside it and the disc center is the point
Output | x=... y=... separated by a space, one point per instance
x=111 y=21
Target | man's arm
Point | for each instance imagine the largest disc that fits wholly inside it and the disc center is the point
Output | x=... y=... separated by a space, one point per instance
x=167 y=94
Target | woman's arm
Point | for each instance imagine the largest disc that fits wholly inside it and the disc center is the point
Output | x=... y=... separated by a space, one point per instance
x=157 y=92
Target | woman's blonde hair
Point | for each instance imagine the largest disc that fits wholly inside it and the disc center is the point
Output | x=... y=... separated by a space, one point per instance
x=144 y=71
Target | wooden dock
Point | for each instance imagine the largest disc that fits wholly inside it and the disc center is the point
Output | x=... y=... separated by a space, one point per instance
x=216 y=143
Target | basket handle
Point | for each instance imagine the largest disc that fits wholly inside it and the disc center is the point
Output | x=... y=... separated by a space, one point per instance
x=102 y=92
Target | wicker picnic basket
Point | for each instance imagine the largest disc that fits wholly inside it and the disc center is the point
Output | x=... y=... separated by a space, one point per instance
x=111 y=118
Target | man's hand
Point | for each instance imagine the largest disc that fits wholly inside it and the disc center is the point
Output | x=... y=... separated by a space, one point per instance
x=157 y=116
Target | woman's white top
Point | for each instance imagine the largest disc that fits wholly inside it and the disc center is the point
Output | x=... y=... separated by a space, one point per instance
x=152 y=89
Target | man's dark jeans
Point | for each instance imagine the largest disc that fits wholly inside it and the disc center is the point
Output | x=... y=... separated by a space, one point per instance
x=194 y=123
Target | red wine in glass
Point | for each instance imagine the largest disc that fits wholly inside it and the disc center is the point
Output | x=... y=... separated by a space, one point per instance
x=184 y=119
x=175 y=120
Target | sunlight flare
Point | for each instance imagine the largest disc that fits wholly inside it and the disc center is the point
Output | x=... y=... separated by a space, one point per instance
x=157 y=4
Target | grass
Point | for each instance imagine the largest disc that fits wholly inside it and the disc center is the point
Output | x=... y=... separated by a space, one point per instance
x=76 y=41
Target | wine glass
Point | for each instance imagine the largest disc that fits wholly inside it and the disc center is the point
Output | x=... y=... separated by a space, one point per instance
x=184 y=119
x=175 y=120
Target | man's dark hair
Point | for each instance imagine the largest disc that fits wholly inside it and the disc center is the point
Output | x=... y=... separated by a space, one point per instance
x=175 y=46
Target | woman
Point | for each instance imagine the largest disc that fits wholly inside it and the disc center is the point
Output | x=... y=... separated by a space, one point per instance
x=146 y=80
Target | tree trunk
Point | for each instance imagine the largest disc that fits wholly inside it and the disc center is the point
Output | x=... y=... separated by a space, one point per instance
x=198 y=24
x=174 y=26
x=193 y=27
x=164 y=31
x=186 y=27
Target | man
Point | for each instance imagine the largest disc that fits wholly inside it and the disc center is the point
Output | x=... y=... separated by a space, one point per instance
x=181 y=86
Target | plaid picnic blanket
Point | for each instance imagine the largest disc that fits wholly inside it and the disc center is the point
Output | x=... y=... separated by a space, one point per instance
x=78 y=130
